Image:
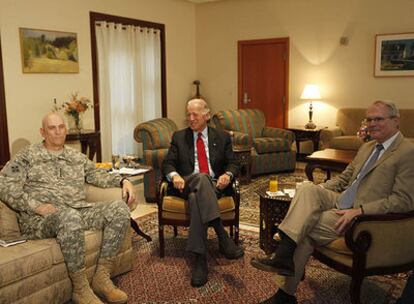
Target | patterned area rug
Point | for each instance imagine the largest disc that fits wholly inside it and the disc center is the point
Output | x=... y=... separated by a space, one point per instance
x=167 y=280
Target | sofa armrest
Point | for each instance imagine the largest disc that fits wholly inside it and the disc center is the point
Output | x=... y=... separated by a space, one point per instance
x=327 y=135
x=278 y=133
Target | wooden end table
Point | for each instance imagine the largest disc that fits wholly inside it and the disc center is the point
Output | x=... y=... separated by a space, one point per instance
x=90 y=140
x=273 y=210
x=328 y=160
x=303 y=134
x=243 y=156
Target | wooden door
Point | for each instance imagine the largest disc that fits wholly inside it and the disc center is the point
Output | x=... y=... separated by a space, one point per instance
x=4 y=137
x=263 y=75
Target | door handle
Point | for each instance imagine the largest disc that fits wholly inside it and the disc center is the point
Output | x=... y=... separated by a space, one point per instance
x=246 y=98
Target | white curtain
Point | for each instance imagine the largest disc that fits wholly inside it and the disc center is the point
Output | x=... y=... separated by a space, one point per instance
x=129 y=64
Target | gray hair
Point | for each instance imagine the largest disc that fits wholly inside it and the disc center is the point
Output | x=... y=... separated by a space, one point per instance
x=392 y=108
x=202 y=103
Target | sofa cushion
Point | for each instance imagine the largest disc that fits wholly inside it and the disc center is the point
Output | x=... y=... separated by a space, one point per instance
x=348 y=142
x=23 y=260
x=9 y=226
x=349 y=120
x=271 y=145
x=178 y=205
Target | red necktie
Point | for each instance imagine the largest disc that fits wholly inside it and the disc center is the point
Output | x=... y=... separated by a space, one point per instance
x=201 y=155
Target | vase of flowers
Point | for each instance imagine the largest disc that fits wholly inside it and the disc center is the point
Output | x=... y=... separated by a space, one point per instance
x=363 y=132
x=74 y=109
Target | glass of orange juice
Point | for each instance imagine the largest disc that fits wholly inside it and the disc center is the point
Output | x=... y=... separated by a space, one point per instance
x=273 y=185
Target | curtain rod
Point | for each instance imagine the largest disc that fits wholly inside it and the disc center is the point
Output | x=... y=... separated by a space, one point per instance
x=99 y=23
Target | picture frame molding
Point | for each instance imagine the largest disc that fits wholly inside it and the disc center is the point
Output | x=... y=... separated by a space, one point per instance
x=51 y=70
x=379 y=38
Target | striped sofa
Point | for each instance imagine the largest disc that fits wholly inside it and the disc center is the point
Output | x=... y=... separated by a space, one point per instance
x=271 y=146
x=155 y=136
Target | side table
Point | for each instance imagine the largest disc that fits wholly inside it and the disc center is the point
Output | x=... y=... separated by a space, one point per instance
x=273 y=210
x=90 y=140
x=303 y=134
x=243 y=156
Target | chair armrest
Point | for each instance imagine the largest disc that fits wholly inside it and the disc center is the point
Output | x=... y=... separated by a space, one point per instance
x=162 y=191
x=327 y=135
x=278 y=133
x=242 y=139
x=154 y=158
x=386 y=239
x=165 y=186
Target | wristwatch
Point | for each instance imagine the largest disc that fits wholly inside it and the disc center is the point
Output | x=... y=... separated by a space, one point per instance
x=229 y=173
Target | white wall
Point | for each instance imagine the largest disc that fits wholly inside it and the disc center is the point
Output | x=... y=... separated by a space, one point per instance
x=30 y=96
x=344 y=73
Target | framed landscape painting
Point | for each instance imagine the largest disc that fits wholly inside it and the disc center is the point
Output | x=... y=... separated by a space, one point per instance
x=394 y=55
x=45 y=51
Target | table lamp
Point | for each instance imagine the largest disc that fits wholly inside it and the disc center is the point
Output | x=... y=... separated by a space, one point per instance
x=310 y=92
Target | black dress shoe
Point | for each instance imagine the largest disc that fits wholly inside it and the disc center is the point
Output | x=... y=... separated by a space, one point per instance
x=230 y=250
x=281 y=297
x=274 y=264
x=199 y=276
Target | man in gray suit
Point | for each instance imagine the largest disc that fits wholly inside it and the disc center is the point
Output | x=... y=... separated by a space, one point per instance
x=379 y=180
x=197 y=156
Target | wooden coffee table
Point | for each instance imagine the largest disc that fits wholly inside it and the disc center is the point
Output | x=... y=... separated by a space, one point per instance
x=328 y=160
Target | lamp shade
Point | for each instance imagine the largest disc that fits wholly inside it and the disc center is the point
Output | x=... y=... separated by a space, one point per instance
x=311 y=92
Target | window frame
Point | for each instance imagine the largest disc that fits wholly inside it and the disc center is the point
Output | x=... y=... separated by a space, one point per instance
x=95 y=16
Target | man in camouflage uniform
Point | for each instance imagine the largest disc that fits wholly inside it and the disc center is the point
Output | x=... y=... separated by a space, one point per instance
x=44 y=183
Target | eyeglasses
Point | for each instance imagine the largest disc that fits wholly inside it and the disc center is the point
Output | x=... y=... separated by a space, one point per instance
x=377 y=119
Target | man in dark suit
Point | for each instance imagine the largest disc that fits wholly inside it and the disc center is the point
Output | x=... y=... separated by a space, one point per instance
x=407 y=296
x=379 y=180
x=197 y=156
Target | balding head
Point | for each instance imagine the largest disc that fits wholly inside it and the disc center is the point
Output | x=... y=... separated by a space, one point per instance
x=53 y=131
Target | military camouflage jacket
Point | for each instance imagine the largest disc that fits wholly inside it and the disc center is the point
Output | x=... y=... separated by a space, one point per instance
x=37 y=176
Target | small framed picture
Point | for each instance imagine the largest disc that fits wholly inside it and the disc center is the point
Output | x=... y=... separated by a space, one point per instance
x=45 y=51
x=394 y=55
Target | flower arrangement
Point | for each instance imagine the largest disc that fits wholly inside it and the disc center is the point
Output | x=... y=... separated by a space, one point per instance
x=74 y=108
x=363 y=132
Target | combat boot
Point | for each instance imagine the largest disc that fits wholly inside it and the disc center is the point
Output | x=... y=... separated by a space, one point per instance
x=103 y=286
x=81 y=291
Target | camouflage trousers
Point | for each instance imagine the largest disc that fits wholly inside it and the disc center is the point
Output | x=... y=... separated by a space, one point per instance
x=68 y=225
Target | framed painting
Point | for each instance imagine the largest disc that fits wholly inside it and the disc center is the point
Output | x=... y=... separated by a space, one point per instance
x=45 y=51
x=394 y=55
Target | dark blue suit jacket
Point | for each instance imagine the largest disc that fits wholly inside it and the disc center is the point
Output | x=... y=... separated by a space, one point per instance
x=180 y=156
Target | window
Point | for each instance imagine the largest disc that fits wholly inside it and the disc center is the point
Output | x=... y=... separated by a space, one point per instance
x=128 y=58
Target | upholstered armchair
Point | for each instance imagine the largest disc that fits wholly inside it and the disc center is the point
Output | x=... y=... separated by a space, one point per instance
x=271 y=146
x=173 y=210
x=155 y=136
x=374 y=245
